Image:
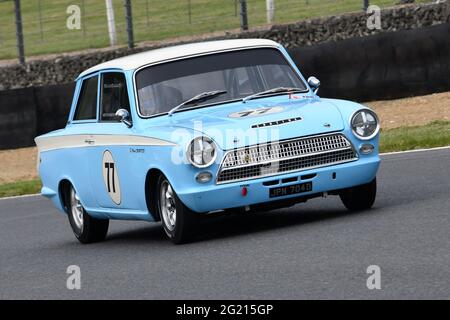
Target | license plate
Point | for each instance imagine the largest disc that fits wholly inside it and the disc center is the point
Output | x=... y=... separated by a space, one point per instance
x=288 y=190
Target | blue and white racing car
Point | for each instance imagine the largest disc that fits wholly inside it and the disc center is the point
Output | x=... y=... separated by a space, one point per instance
x=175 y=133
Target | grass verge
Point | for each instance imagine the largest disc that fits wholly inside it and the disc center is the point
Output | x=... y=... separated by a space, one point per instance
x=434 y=134
x=20 y=188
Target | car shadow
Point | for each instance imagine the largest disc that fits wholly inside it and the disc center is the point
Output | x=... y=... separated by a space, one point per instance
x=150 y=232
x=252 y=223
x=219 y=226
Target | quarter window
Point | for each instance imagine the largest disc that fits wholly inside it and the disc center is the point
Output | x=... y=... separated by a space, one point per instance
x=114 y=95
x=87 y=100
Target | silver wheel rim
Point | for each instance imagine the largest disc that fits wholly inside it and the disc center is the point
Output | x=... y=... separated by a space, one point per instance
x=168 y=208
x=76 y=209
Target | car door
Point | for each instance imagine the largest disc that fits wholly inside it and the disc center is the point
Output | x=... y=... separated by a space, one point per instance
x=111 y=169
x=77 y=135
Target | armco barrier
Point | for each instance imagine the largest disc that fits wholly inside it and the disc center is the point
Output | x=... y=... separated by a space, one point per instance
x=52 y=105
x=26 y=113
x=380 y=67
x=17 y=118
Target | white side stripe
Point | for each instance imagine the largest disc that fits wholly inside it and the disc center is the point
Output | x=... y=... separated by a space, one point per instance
x=91 y=140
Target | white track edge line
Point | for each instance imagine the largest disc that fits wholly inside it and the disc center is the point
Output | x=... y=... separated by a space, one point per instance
x=417 y=150
x=22 y=196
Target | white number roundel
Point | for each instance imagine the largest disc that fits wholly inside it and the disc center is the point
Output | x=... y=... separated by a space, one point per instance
x=111 y=177
x=256 y=112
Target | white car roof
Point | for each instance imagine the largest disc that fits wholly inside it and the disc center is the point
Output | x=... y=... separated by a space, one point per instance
x=137 y=60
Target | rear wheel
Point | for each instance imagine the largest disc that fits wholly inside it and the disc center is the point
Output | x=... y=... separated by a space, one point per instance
x=178 y=221
x=360 y=197
x=86 y=228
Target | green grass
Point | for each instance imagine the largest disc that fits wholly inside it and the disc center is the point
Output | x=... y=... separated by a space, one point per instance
x=20 y=188
x=163 y=19
x=435 y=134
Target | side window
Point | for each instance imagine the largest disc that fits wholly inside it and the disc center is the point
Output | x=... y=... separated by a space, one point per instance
x=114 y=95
x=87 y=100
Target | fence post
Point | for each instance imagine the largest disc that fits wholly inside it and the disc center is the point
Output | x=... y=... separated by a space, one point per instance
x=244 y=19
x=270 y=7
x=190 y=11
x=365 y=4
x=41 y=28
x=83 y=18
x=111 y=23
x=147 y=14
x=129 y=19
x=19 y=32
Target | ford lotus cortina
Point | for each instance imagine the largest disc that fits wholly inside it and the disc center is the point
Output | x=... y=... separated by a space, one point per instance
x=176 y=133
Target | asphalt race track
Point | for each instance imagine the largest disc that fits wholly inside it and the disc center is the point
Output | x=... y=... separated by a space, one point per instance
x=313 y=250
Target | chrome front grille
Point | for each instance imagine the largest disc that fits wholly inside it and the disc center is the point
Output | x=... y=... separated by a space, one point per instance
x=285 y=156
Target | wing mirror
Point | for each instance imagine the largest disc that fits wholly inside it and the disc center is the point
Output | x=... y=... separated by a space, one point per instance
x=124 y=116
x=314 y=83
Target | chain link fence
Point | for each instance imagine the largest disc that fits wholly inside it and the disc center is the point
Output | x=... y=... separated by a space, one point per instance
x=55 y=26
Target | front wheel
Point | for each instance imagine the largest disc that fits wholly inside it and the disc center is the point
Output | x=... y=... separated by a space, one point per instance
x=360 y=197
x=178 y=221
x=86 y=228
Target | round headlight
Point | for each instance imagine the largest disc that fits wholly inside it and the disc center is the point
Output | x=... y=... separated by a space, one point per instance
x=201 y=152
x=365 y=124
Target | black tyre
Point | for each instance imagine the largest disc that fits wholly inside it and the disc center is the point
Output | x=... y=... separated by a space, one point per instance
x=178 y=221
x=86 y=228
x=360 y=197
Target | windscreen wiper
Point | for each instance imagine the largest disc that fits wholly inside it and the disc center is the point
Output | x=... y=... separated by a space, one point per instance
x=274 y=90
x=198 y=98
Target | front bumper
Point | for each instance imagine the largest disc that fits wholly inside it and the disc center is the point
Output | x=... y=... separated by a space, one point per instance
x=226 y=196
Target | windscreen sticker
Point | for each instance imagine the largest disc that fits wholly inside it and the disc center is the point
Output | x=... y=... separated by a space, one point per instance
x=255 y=112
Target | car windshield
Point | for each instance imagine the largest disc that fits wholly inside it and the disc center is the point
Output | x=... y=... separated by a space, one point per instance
x=240 y=73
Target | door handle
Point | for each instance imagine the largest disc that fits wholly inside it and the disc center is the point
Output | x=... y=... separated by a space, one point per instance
x=89 y=141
